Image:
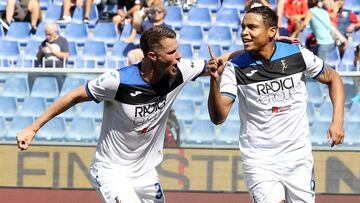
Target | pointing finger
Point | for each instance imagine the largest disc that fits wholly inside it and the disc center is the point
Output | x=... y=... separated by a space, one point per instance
x=211 y=51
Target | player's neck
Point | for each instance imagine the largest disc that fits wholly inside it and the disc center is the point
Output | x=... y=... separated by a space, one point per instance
x=149 y=73
x=266 y=52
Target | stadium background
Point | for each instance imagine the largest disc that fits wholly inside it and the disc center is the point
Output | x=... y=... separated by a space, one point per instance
x=53 y=171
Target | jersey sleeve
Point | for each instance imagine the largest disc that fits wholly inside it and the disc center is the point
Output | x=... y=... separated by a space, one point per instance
x=228 y=81
x=314 y=65
x=191 y=69
x=104 y=87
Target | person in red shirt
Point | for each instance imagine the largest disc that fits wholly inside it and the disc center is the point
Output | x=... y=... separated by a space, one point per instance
x=344 y=20
x=294 y=11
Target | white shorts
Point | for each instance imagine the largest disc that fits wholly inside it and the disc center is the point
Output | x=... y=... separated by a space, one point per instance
x=293 y=184
x=113 y=187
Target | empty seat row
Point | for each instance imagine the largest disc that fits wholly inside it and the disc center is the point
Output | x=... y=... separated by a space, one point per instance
x=81 y=129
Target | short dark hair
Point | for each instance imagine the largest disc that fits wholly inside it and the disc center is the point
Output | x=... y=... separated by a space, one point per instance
x=269 y=16
x=312 y=3
x=150 y=39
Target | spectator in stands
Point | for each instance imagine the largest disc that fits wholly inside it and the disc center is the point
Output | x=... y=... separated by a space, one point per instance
x=22 y=10
x=294 y=11
x=68 y=4
x=320 y=24
x=54 y=50
x=156 y=16
x=345 y=20
x=133 y=13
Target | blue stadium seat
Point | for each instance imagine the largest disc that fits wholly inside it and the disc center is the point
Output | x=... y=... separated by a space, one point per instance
x=326 y=111
x=121 y=49
x=2 y=5
x=190 y=34
x=240 y=4
x=78 y=15
x=44 y=4
x=16 y=87
x=354 y=114
x=82 y=130
x=20 y=32
x=174 y=17
x=2 y=34
x=112 y=64
x=8 y=107
x=9 y=52
x=333 y=59
x=18 y=123
x=234 y=112
x=184 y=109
x=283 y=31
x=53 y=131
x=229 y=133
x=238 y=39
x=350 y=92
x=204 y=51
x=3 y=130
x=310 y=111
x=202 y=133
x=29 y=55
x=353 y=5
x=314 y=93
x=356 y=38
x=213 y=5
x=71 y=83
x=318 y=133
x=204 y=112
x=186 y=50
x=126 y=31
x=73 y=52
x=45 y=87
x=33 y=106
x=54 y=12
x=40 y=32
x=96 y=51
x=236 y=47
x=81 y=63
x=199 y=17
x=220 y=35
x=105 y=32
x=76 y=33
x=92 y=110
x=352 y=137
x=348 y=58
x=194 y=91
x=228 y=17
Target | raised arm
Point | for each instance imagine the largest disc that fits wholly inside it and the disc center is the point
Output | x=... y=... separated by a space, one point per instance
x=336 y=91
x=26 y=135
x=218 y=105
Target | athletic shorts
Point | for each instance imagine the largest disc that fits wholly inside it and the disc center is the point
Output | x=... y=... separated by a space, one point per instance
x=113 y=187
x=293 y=184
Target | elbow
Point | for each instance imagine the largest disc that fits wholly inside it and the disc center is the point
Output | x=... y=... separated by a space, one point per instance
x=216 y=120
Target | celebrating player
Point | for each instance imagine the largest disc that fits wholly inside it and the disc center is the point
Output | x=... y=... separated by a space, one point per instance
x=269 y=80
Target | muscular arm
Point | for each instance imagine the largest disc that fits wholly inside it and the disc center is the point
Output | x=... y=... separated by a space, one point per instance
x=336 y=91
x=25 y=136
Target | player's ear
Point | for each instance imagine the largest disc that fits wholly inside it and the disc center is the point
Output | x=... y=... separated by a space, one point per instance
x=152 y=56
x=272 y=32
